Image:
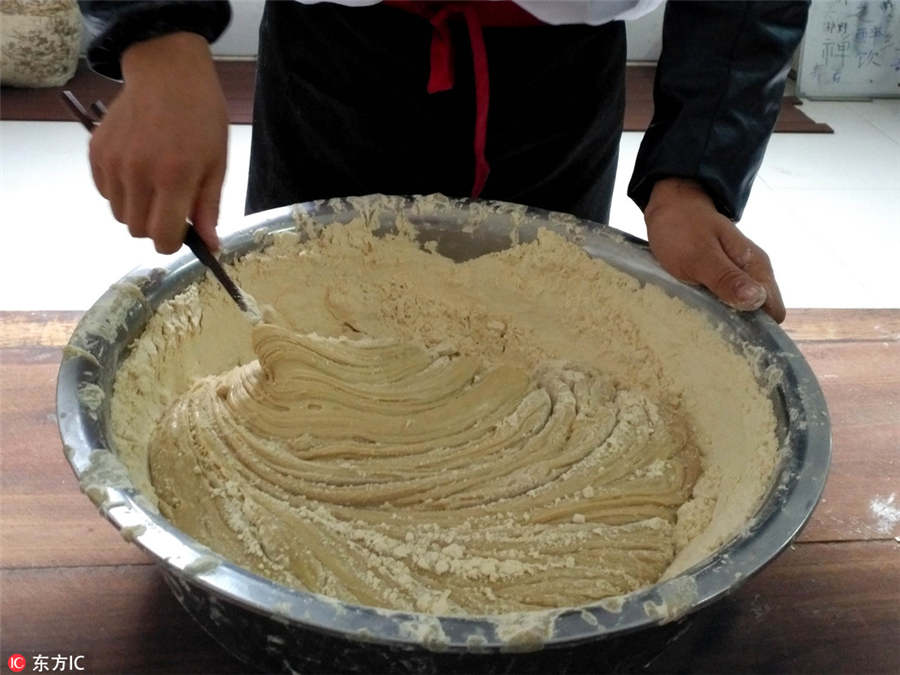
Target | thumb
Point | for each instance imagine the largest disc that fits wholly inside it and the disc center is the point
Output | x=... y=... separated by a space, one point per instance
x=754 y=261
x=206 y=209
x=730 y=283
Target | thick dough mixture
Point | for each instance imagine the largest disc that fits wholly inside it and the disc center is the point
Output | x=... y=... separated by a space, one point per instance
x=412 y=433
x=389 y=475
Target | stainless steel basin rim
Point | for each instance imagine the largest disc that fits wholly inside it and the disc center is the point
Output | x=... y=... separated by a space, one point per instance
x=462 y=229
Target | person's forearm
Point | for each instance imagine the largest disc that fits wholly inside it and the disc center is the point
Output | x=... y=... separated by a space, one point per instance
x=115 y=26
x=148 y=58
x=718 y=90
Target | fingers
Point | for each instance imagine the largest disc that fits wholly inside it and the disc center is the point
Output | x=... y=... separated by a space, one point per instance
x=716 y=270
x=97 y=172
x=167 y=219
x=161 y=213
x=774 y=306
x=205 y=215
x=105 y=178
x=138 y=193
x=137 y=208
x=174 y=187
x=736 y=245
x=753 y=260
x=746 y=291
x=688 y=247
x=697 y=244
x=760 y=269
x=115 y=193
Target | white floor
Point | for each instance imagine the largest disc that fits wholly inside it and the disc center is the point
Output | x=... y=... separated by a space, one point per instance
x=825 y=207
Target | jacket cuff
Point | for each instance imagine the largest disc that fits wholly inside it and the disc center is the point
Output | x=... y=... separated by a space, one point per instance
x=717 y=94
x=724 y=199
x=118 y=25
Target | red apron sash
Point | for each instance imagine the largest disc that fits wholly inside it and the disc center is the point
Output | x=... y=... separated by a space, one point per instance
x=441 y=78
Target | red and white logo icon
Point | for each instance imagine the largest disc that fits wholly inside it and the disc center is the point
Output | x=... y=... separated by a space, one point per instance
x=16 y=663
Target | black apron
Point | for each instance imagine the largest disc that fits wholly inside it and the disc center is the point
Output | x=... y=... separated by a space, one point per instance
x=341 y=108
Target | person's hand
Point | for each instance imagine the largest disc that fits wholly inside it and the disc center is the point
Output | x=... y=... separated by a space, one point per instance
x=698 y=245
x=159 y=154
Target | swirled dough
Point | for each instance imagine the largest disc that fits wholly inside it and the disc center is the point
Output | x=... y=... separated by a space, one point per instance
x=391 y=475
x=527 y=429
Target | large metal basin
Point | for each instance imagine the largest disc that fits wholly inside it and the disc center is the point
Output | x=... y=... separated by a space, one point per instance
x=278 y=628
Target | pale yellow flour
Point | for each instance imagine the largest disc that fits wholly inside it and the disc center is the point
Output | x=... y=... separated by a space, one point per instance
x=521 y=431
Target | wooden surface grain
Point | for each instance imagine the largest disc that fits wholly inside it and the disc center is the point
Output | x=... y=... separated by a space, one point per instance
x=829 y=604
x=238 y=77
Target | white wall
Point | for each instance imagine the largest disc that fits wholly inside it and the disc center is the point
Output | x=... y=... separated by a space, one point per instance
x=240 y=40
x=645 y=36
x=241 y=37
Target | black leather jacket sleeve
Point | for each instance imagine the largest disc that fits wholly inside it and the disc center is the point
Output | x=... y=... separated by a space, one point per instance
x=116 y=25
x=717 y=94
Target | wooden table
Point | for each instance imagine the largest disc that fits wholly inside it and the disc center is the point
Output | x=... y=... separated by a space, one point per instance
x=238 y=79
x=830 y=604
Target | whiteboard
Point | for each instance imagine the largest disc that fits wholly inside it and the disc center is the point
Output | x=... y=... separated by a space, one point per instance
x=851 y=49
